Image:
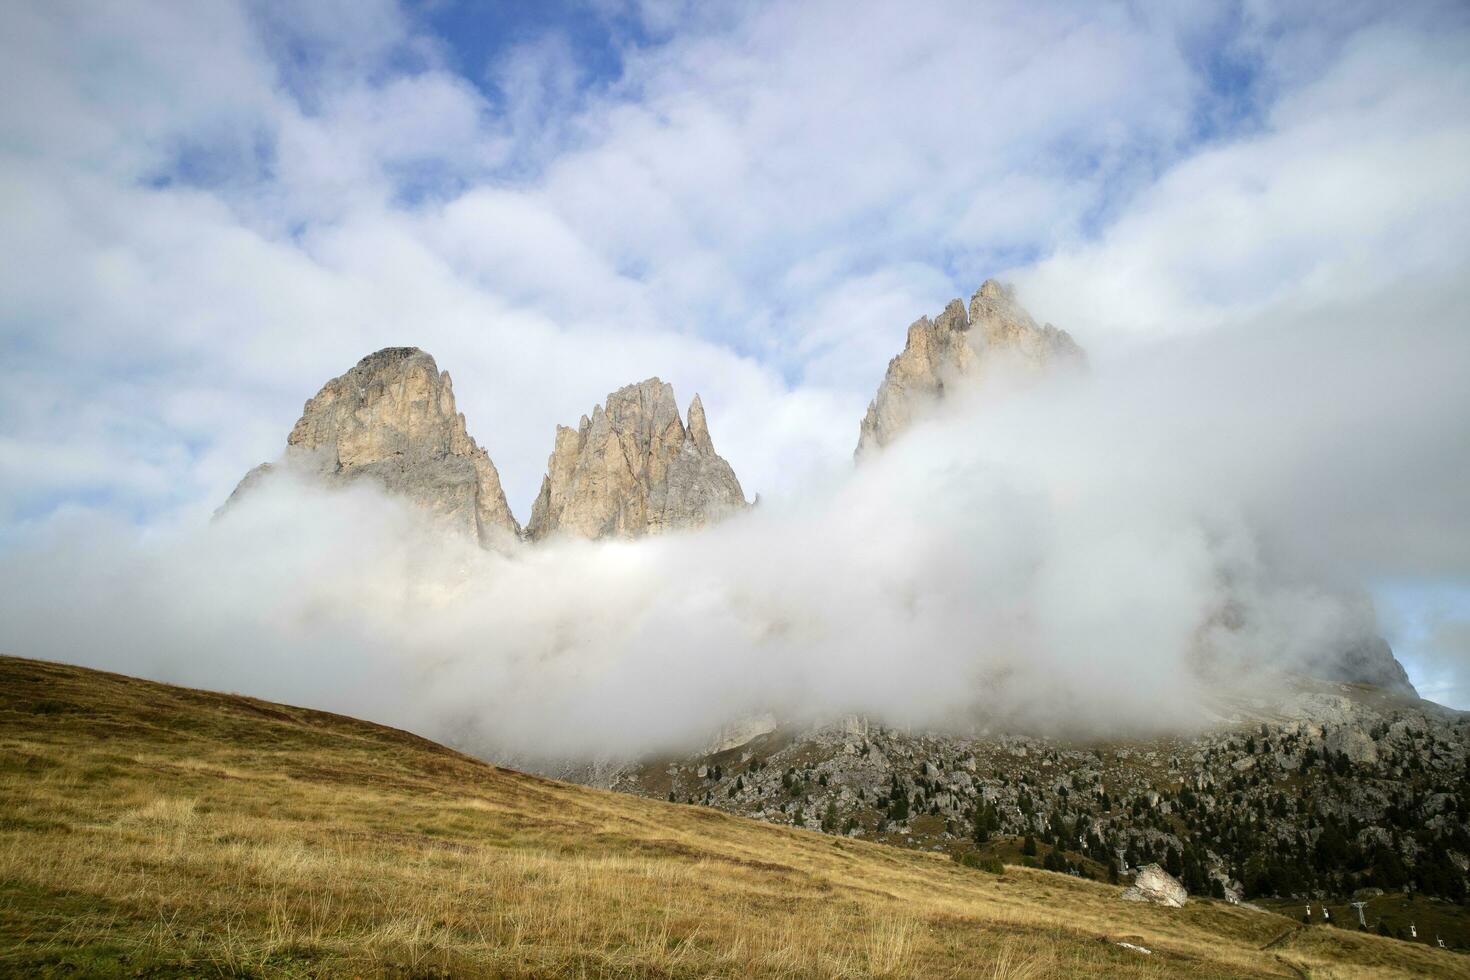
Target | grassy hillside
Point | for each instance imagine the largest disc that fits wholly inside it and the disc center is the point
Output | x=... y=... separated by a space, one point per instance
x=148 y=830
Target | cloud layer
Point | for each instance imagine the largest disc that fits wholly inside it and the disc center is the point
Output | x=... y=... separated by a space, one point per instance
x=214 y=209
x=1108 y=553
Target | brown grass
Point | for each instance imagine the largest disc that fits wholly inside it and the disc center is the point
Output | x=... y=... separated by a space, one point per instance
x=156 y=831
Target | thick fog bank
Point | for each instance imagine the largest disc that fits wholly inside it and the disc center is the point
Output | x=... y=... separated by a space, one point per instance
x=1092 y=553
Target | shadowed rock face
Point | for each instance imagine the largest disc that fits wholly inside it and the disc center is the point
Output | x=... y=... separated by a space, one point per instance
x=392 y=419
x=957 y=345
x=1371 y=661
x=634 y=468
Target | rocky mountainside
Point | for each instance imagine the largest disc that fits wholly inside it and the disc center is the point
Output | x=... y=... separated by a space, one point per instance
x=957 y=347
x=392 y=419
x=1333 y=789
x=634 y=468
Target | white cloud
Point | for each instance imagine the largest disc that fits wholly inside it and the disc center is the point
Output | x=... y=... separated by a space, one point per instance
x=217 y=208
x=1058 y=558
x=1353 y=187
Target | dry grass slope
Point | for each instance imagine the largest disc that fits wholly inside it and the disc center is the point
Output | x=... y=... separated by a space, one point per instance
x=148 y=830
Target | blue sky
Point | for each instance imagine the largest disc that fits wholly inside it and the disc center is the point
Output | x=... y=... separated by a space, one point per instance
x=480 y=35
x=214 y=209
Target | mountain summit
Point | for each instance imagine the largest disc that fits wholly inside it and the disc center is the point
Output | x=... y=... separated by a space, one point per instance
x=634 y=468
x=959 y=345
x=391 y=418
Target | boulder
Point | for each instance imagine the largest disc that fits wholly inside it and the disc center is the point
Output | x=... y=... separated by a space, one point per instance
x=1154 y=884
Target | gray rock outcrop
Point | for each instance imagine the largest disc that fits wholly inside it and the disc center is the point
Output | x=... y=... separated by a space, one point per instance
x=391 y=419
x=954 y=346
x=634 y=468
x=1154 y=884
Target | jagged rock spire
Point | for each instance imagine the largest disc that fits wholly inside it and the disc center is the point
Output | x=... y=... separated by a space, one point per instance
x=954 y=346
x=699 y=428
x=633 y=468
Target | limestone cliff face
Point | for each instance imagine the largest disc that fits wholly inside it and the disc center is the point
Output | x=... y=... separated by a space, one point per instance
x=957 y=345
x=392 y=419
x=634 y=468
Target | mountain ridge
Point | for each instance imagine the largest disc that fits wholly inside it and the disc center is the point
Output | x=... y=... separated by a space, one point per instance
x=634 y=467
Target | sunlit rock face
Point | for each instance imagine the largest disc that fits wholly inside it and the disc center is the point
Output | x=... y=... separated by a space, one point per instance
x=955 y=346
x=634 y=468
x=392 y=419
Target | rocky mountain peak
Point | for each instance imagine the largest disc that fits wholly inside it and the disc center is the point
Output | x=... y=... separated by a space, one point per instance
x=992 y=289
x=955 y=347
x=633 y=468
x=392 y=418
x=1005 y=325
